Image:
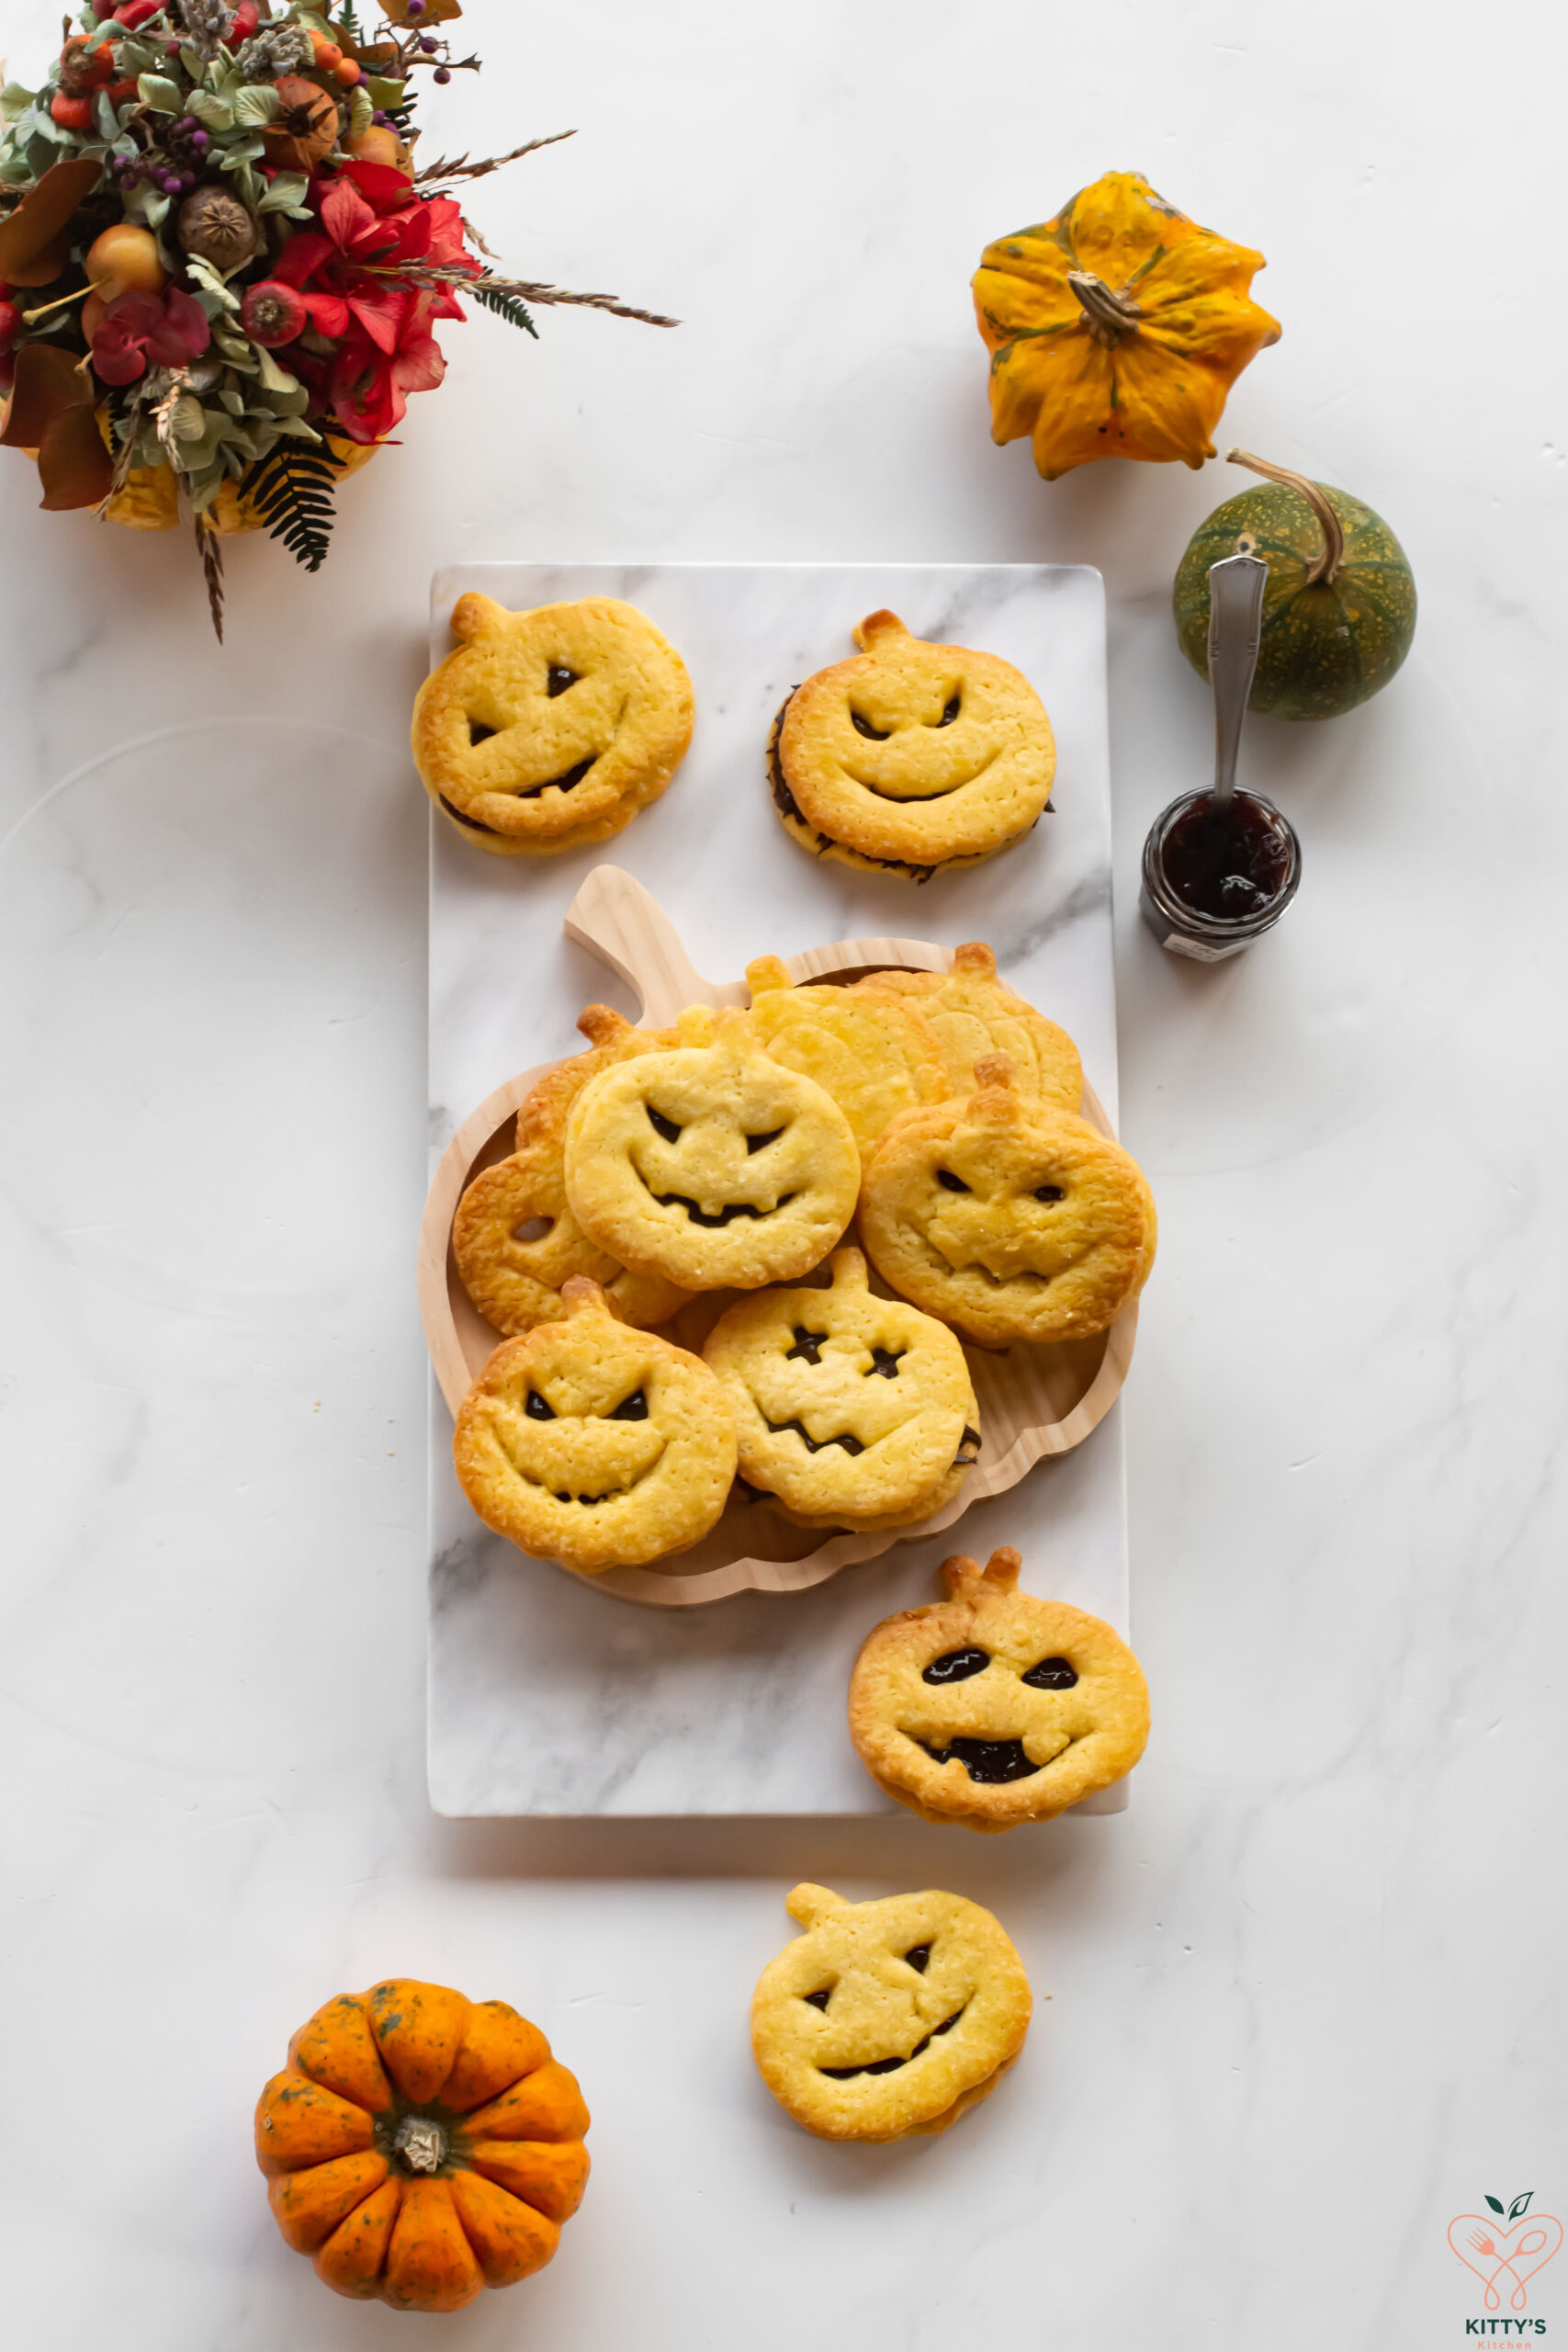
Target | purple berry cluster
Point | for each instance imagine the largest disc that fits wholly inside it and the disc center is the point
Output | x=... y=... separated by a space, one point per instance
x=174 y=166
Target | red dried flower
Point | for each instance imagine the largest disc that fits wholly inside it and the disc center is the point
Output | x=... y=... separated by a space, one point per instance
x=166 y=329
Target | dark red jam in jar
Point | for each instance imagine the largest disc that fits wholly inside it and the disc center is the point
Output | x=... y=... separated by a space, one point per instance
x=1214 y=880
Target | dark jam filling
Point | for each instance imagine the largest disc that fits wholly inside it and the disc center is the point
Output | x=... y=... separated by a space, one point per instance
x=788 y=806
x=889 y=2065
x=1227 y=864
x=560 y=783
x=725 y=1216
x=850 y=1444
x=472 y=823
x=957 y=1666
x=987 y=1759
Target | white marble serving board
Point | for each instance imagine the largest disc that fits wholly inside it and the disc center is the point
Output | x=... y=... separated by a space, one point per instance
x=548 y=1697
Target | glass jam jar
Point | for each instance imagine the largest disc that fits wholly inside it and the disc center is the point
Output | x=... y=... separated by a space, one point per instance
x=1215 y=880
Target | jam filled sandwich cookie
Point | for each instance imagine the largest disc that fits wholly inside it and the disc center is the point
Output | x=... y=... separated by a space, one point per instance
x=1009 y=1219
x=910 y=757
x=712 y=1164
x=888 y=2018
x=549 y=730
x=971 y=1012
x=591 y=1443
x=991 y=1707
x=514 y=1239
x=875 y=1057
x=850 y=1410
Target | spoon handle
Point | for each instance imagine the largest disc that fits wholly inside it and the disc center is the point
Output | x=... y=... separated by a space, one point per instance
x=1236 y=612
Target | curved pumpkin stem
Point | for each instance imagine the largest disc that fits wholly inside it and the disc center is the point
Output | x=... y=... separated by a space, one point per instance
x=1109 y=316
x=1326 y=563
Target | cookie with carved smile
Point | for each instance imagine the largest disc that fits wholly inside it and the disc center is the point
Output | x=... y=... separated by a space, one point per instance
x=850 y=1410
x=711 y=1164
x=992 y=1707
x=591 y=1443
x=1008 y=1218
x=514 y=1239
x=549 y=730
x=889 y=2018
x=911 y=756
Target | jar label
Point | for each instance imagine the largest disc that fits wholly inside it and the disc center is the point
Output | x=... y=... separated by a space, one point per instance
x=1199 y=949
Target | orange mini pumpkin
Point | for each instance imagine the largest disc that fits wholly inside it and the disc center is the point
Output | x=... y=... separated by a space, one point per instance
x=422 y=2146
x=1116 y=328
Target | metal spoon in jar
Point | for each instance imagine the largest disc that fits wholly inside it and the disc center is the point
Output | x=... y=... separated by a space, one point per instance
x=1235 y=625
x=1217 y=874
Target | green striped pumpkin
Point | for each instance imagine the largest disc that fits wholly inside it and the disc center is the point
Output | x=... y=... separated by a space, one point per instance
x=1330 y=642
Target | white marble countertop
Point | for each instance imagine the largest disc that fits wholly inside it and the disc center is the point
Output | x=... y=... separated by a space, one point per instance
x=1304 y=1997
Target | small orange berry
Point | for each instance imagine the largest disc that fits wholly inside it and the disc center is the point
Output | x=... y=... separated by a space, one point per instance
x=348 y=72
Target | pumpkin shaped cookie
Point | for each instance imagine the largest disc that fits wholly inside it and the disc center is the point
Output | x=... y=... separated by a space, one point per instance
x=1005 y=1217
x=422 y=2147
x=971 y=1012
x=991 y=1707
x=911 y=757
x=591 y=1443
x=515 y=1238
x=850 y=1410
x=549 y=730
x=874 y=1057
x=888 y=2018
x=711 y=1164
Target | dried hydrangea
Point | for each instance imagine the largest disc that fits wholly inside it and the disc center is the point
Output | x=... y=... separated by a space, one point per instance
x=205 y=24
x=276 y=49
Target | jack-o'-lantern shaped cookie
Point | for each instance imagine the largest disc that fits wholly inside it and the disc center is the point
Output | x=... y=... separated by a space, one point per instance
x=888 y=2018
x=515 y=1238
x=910 y=756
x=1007 y=1218
x=992 y=1708
x=712 y=1164
x=850 y=1410
x=875 y=1058
x=971 y=1014
x=591 y=1443
x=549 y=730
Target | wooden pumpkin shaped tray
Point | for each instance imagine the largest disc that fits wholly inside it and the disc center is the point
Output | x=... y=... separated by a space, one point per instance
x=1033 y=1401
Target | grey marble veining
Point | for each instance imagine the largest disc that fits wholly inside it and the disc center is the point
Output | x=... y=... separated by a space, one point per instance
x=546 y=1696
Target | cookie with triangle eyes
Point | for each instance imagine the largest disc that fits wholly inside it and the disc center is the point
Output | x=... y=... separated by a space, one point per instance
x=850 y=1410
x=1009 y=1218
x=549 y=730
x=971 y=1012
x=514 y=1239
x=887 y=2019
x=711 y=1164
x=875 y=1058
x=992 y=1707
x=910 y=756
x=595 y=1445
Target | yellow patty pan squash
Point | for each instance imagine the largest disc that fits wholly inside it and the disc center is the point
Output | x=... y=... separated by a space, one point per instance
x=1117 y=329
x=149 y=498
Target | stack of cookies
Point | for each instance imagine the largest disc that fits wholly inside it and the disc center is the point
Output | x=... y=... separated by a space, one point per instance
x=666 y=1247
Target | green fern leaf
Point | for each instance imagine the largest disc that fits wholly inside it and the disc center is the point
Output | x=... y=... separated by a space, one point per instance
x=292 y=489
x=505 y=306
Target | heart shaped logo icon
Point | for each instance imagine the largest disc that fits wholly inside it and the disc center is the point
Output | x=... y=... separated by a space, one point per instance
x=1503 y=2256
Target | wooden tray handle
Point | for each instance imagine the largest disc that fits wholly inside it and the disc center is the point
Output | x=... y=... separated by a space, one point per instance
x=616 y=919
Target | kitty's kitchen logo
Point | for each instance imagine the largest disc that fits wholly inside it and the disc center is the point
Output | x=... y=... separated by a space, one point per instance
x=1505 y=2246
